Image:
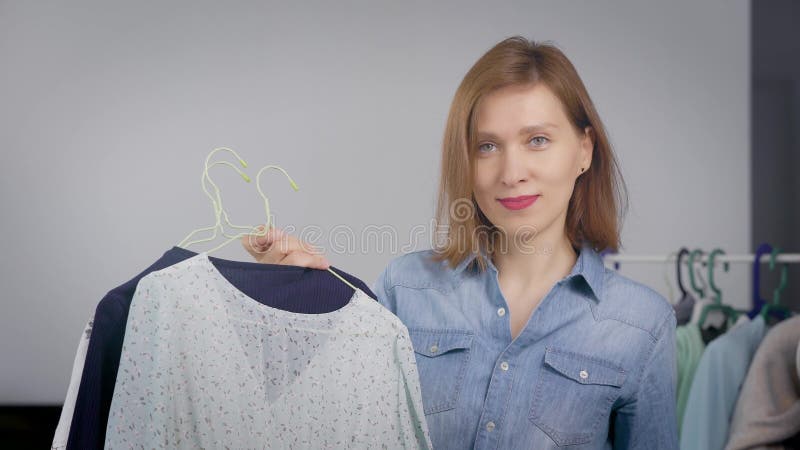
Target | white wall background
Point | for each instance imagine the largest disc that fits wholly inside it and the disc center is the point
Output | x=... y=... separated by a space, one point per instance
x=108 y=110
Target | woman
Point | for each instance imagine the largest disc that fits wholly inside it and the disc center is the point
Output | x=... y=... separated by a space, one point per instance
x=523 y=339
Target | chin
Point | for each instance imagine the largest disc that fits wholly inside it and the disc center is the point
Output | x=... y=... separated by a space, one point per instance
x=515 y=227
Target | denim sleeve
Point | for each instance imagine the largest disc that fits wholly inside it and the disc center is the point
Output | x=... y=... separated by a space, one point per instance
x=649 y=419
x=383 y=289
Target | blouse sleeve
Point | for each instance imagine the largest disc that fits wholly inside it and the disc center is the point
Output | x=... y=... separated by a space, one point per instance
x=412 y=416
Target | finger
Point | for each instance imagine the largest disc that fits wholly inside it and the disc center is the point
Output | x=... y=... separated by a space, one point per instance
x=247 y=244
x=287 y=244
x=250 y=242
x=282 y=243
x=275 y=244
x=261 y=240
x=271 y=247
x=304 y=259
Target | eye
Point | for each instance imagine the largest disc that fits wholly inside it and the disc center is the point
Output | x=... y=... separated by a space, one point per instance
x=540 y=137
x=482 y=146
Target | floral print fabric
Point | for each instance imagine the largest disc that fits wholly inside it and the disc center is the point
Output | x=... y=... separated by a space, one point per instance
x=205 y=366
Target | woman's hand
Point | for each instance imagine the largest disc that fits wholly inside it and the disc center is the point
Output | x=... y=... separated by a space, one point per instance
x=277 y=247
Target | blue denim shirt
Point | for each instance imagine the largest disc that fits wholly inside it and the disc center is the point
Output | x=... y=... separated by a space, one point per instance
x=593 y=368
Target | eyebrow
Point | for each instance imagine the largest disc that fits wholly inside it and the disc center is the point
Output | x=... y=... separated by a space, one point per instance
x=525 y=130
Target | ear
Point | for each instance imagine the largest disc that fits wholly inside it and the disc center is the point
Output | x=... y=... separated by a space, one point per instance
x=587 y=147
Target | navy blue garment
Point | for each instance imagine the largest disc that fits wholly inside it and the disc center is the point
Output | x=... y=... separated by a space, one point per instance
x=291 y=288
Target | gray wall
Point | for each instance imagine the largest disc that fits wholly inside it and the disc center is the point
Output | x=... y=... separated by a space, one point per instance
x=107 y=113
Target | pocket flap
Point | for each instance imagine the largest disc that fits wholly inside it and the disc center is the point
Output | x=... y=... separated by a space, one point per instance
x=436 y=342
x=584 y=369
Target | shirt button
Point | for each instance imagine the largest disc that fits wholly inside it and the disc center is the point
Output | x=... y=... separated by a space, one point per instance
x=504 y=365
x=434 y=348
x=490 y=426
x=584 y=374
x=501 y=312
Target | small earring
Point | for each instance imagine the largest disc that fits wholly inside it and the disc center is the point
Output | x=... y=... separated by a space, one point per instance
x=582 y=169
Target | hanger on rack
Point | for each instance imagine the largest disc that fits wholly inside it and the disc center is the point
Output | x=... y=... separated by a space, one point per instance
x=758 y=302
x=716 y=304
x=717 y=292
x=219 y=210
x=679 y=276
x=693 y=276
x=699 y=303
x=774 y=308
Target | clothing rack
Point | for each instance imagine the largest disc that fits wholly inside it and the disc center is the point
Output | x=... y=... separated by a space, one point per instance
x=720 y=258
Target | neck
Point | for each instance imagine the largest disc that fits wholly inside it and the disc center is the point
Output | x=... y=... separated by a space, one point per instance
x=536 y=261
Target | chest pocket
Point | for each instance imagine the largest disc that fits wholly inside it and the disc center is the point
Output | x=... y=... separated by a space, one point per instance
x=573 y=395
x=442 y=357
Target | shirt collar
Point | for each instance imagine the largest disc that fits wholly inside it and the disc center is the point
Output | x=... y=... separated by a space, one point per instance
x=589 y=266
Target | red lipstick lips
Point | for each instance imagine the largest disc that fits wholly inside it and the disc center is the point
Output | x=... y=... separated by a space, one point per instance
x=517 y=203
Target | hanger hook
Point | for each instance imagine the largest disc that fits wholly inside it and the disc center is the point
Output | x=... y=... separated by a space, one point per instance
x=681 y=253
x=226 y=149
x=260 y=192
x=207 y=177
x=698 y=289
x=725 y=265
x=216 y=199
x=758 y=302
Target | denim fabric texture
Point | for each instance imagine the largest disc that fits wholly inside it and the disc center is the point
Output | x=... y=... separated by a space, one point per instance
x=593 y=368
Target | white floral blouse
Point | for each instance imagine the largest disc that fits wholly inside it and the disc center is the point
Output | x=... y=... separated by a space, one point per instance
x=205 y=366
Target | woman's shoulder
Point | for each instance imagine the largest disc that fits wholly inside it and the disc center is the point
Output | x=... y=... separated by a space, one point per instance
x=418 y=269
x=416 y=272
x=634 y=304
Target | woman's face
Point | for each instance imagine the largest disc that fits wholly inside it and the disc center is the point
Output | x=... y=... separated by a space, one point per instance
x=527 y=147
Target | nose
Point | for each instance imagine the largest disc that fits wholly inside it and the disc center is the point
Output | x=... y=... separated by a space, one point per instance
x=512 y=170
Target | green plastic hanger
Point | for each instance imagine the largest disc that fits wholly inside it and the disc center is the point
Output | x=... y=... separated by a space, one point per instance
x=717 y=292
x=697 y=289
x=775 y=307
x=716 y=304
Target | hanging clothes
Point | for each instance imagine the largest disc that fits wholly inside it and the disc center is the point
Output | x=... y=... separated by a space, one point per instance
x=689 y=349
x=67 y=410
x=767 y=411
x=204 y=365
x=716 y=384
x=96 y=381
